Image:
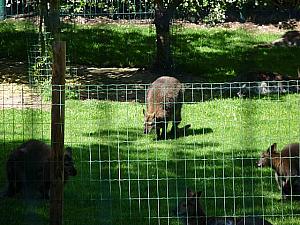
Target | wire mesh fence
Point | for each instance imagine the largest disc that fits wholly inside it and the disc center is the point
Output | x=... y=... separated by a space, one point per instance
x=127 y=177
x=112 y=9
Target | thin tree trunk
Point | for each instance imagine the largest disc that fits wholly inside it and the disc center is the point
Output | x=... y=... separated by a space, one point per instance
x=163 y=61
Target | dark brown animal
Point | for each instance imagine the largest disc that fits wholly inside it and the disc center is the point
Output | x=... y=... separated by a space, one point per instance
x=290 y=38
x=28 y=169
x=191 y=212
x=285 y=164
x=164 y=103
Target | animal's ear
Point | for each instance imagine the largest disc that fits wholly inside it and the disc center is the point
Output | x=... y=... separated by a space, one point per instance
x=68 y=151
x=273 y=147
x=152 y=115
x=189 y=193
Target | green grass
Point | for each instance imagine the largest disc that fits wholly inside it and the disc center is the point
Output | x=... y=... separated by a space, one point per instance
x=213 y=54
x=126 y=177
x=15 y=37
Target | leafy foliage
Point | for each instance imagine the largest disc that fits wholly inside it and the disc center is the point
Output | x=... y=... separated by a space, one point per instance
x=210 y=11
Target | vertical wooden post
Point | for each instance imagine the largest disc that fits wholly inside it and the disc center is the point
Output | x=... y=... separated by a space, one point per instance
x=57 y=133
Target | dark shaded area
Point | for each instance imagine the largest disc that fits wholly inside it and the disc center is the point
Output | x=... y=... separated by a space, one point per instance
x=212 y=66
x=109 y=46
x=187 y=130
x=117 y=182
x=103 y=46
x=15 y=38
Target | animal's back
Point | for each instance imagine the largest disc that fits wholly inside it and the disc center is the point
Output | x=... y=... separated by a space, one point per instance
x=163 y=94
x=291 y=150
x=28 y=167
x=290 y=159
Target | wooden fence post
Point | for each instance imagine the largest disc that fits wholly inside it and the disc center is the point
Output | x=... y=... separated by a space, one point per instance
x=57 y=133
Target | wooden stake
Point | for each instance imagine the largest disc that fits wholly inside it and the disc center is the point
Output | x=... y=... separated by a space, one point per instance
x=57 y=133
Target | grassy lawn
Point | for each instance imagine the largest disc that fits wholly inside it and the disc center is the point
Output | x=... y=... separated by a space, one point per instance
x=126 y=177
x=213 y=54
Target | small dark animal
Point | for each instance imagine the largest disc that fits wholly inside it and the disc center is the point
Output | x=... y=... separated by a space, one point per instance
x=28 y=169
x=191 y=212
x=164 y=103
x=285 y=164
x=264 y=82
x=290 y=38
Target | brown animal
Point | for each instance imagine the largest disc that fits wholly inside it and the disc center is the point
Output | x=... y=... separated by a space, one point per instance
x=191 y=212
x=164 y=103
x=290 y=38
x=285 y=164
x=28 y=169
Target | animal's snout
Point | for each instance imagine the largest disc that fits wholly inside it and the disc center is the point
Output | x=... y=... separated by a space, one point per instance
x=259 y=163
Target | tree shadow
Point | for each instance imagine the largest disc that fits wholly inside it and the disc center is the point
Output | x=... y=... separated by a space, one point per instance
x=120 y=135
x=121 y=179
x=188 y=131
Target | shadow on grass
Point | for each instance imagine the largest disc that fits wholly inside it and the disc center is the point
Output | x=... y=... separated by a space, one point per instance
x=118 y=182
x=120 y=135
x=210 y=55
x=188 y=131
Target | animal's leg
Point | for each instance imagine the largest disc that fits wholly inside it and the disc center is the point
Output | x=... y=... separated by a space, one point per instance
x=281 y=185
x=164 y=130
x=158 y=132
x=279 y=181
x=176 y=122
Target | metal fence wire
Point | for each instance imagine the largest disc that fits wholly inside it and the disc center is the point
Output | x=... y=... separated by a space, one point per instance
x=127 y=177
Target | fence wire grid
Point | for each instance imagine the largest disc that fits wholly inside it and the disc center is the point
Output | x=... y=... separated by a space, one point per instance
x=128 y=177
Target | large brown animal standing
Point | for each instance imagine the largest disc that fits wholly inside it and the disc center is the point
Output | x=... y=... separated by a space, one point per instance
x=285 y=164
x=191 y=212
x=164 y=103
x=28 y=169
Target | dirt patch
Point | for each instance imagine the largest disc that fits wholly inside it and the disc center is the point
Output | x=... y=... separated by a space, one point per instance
x=91 y=75
x=20 y=96
x=13 y=71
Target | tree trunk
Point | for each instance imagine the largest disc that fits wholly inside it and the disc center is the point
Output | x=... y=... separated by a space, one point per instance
x=163 y=61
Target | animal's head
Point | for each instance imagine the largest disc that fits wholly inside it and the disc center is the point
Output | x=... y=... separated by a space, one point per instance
x=69 y=168
x=190 y=207
x=149 y=121
x=265 y=157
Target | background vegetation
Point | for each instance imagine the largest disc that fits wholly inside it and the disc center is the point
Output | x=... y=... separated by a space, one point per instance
x=214 y=54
